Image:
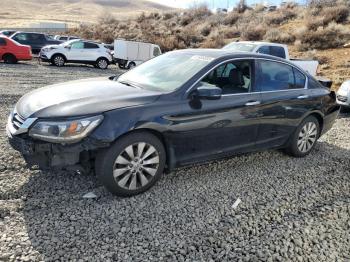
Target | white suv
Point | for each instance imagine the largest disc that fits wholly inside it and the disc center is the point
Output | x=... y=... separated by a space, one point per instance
x=77 y=51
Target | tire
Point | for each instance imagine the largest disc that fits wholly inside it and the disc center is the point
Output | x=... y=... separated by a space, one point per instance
x=345 y=109
x=121 y=66
x=102 y=63
x=131 y=65
x=58 y=60
x=10 y=59
x=124 y=177
x=304 y=137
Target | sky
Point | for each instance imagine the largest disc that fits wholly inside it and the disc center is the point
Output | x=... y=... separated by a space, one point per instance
x=214 y=3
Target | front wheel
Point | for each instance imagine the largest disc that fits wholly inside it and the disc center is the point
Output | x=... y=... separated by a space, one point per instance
x=304 y=138
x=102 y=63
x=132 y=164
x=58 y=60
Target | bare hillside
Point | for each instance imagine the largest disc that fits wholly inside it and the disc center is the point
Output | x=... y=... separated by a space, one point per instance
x=19 y=13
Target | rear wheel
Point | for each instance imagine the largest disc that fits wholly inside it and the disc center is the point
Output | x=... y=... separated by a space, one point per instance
x=131 y=65
x=304 y=138
x=102 y=63
x=132 y=165
x=10 y=59
x=58 y=60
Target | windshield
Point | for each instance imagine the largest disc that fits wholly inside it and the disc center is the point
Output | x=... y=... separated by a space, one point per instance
x=240 y=47
x=165 y=73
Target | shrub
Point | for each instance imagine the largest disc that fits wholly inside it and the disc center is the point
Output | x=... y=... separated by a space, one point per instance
x=253 y=32
x=205 y=29
x=215 y=40
x=230 y=32
x=313 y=24
x=231 y=18
x=276 y=35
x=280 y=16
x=337 y=14
x=168 y=16
x=331 y=36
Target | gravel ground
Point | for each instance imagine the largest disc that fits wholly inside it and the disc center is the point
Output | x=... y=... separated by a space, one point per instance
x=291 y=209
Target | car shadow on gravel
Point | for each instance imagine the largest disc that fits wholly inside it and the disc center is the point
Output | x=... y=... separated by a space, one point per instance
x=188 y=213
x=19 y=63
x=80 y=66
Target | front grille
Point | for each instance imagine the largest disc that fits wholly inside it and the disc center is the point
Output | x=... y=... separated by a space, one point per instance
x=17 y=121
x=342 y=98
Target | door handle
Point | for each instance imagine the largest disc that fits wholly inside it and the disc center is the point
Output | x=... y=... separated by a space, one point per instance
x=302 y=96
x=252 y=103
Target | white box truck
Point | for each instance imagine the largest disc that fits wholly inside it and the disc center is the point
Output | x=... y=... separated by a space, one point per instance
x=129 y=54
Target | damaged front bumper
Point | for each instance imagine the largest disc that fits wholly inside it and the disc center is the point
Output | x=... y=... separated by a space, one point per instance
x=55 y=156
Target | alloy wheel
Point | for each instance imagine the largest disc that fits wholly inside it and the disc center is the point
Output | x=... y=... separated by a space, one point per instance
x=59 y=61
x=102 y=64
x=136 y=165
x=307 y=137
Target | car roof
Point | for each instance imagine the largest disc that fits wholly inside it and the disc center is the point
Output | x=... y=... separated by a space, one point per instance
x=22 y=32
x=260 y=43
x=223 y=53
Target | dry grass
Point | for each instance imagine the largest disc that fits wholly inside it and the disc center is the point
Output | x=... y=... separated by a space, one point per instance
x=20 y=13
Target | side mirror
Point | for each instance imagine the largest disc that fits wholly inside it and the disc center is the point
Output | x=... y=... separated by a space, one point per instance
x=209 y=92
x=68 y=46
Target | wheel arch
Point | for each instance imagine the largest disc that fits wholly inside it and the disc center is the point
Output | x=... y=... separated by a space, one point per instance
x=319 y=116
x=53 y=55
x=103 y=57
x=8 y=53
x=169 y=151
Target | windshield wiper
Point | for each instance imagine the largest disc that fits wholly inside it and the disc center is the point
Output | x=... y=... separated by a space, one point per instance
x=128 y=84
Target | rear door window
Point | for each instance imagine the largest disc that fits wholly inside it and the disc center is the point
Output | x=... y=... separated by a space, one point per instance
x=2 y=42
x=37 y=38
x=300 y=79
x=277 y=51
x=90 y=46
x=264 y=50
x=272 y=50
x=274 y=76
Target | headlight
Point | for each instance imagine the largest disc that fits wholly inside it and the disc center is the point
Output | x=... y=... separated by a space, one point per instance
x=47 y=49
x=65 y=131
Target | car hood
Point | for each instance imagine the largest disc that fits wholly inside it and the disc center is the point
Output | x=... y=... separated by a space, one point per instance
x=81 y=97
x=53 y=46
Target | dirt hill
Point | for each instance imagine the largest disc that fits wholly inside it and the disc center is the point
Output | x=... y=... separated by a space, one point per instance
x=19 y=13
x=317 y=31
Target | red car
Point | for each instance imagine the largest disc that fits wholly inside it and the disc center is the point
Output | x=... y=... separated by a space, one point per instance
x=11 y=51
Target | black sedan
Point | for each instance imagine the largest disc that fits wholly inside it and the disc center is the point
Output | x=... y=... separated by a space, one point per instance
x=35 y=40
x=177 y=109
